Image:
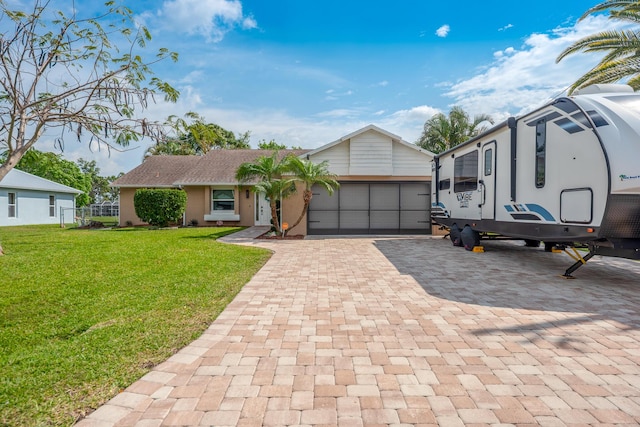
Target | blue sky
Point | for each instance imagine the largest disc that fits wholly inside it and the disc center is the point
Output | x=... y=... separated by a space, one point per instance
x=306 y=73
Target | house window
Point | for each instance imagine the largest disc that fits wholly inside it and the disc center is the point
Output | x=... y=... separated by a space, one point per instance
x=541 y=151
x=223 y=200
x=465 y=173
x=52 y=205
x=12 y=205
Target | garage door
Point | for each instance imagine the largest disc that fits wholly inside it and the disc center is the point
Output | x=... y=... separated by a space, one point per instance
x=371 y=208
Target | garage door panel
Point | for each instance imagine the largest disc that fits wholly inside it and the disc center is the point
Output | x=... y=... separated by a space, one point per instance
x=415 y=196
x=321 y=200
x=322 y=220
x=384 y=196
x=355 y=220
x=385 y=219
x=414 y=220
x=354 y=196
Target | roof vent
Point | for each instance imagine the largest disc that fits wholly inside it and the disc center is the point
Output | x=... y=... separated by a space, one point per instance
x=604 y=88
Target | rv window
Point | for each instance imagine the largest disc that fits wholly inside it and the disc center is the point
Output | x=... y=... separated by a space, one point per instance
x=466 y=173
x=488 y=162
x=541 y=151
x=445 y=184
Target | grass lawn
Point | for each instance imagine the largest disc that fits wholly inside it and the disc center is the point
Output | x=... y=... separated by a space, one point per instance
x=84 y=313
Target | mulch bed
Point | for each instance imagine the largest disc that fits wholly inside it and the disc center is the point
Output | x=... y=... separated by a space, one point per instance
x=286 y=237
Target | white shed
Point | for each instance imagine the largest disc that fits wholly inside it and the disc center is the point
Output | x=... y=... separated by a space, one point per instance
x=27 y=199
x=385 y=186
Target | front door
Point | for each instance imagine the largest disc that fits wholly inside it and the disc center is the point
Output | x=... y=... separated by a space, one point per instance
x=488 y=177
x=263 y=210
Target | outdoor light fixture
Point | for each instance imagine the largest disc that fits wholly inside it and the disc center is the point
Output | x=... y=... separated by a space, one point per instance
x=247 y=193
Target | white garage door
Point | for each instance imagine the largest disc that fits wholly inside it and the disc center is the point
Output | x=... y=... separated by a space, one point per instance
x=371 y=208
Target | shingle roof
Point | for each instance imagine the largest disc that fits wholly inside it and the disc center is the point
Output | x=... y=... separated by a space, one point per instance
x=157 y=171
x=25 y=181
x=216 y=167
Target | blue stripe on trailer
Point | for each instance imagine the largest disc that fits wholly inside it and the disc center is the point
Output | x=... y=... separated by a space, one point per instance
x=541 y=211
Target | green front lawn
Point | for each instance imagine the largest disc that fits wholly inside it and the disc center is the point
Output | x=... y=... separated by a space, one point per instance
x=84 y=313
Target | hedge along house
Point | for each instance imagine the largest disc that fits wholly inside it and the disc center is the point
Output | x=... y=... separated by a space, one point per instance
x=27 y=199
x=385 y=187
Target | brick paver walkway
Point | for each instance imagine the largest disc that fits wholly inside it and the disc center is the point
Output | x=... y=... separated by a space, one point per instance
x=405 y=331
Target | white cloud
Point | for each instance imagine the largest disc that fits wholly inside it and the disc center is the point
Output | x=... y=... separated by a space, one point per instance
x=209 y=18
x=521 y=79
x=506 y=27
x=443 y=31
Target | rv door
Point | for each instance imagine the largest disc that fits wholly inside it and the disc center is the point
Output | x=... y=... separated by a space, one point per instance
x=488 y=180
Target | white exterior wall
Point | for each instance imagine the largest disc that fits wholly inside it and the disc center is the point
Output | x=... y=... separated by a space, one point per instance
x=409 y=162
x=32 y=207
x=337 y=156
x=371 y=154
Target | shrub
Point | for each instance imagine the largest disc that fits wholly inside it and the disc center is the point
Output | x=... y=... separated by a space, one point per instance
x=159 y=207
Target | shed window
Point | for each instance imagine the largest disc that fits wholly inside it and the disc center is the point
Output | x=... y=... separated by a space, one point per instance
x=466 y=173
x=541 y=152
x=12 y=205
x=52 y=205
x=223 y=200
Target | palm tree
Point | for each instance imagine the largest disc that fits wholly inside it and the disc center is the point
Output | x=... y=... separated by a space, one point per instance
x=443 y=132
x=622 y=47
x=269 y=171
x=310 y=173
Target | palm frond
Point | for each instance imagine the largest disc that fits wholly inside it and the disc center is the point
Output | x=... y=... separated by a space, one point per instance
x=610 y=72
x=609 y=4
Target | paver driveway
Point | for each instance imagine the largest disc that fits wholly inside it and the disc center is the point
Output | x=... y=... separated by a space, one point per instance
x=391 y=331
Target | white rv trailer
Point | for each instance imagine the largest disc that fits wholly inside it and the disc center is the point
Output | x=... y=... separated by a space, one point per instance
x=566 y=173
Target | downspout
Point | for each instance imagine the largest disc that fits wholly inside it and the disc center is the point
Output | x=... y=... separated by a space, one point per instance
x=513 y=127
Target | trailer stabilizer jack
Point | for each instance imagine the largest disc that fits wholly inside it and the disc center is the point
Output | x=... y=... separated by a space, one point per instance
x=580 y=261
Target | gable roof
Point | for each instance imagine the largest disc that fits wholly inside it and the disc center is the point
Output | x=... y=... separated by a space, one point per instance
x=217 y=167
x=21 y=180
x=375 y=128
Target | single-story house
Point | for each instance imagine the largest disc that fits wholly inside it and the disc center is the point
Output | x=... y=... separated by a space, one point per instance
x=27 y=199
x=385 y=187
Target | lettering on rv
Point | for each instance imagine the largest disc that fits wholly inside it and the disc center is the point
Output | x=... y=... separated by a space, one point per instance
x=626 y=177
x=464 y=198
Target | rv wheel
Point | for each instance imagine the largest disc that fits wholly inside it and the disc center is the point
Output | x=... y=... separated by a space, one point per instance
x=470 y=238
x=531 y=243
x=454 y=233
x=548 y=246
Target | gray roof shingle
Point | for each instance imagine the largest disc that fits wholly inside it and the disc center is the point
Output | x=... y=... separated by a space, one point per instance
x=216 y=167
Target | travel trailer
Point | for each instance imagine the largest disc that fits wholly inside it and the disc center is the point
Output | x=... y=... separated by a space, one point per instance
x=566 y=174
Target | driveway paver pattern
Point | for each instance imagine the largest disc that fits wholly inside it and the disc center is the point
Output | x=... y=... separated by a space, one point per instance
x=406 y=331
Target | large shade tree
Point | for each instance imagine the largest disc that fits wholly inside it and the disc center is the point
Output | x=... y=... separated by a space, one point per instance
x=71 y=75
x=621 y=48
x=273 y=180
x=74 y=75
x=196 y=137
x=442 y=132
x=310 y=174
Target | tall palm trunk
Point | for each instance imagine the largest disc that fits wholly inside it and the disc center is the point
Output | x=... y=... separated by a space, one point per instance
x=274 y=216
x=306 y=197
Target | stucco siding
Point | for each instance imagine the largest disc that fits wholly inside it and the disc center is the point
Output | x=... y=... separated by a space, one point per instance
x=32 y=207
x=371 y=153
x=127 y=208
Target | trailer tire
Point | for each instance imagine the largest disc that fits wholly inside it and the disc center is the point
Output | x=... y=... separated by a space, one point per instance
x=454 y=233
x=548 y=246
x=470 y=238
x=530 y=243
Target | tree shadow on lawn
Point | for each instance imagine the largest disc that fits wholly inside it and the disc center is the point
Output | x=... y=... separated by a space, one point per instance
x=509 y=276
